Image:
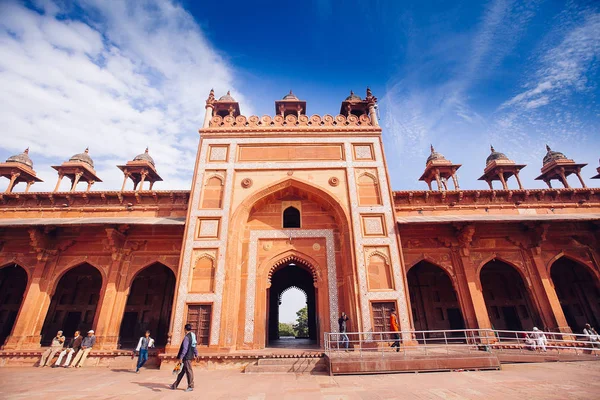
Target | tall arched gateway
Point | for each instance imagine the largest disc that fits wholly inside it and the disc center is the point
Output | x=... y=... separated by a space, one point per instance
x=292 y=273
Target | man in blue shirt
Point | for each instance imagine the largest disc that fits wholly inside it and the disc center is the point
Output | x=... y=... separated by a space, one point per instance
x=187 y=352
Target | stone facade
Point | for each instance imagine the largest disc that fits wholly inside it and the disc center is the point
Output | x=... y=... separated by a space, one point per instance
x=294 y=200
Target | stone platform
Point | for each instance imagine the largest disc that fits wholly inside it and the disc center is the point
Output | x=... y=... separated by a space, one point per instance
x=390 y=362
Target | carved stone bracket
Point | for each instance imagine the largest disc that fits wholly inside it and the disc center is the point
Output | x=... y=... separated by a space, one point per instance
x=465 y=233
x=38 y=239
x=538 y=234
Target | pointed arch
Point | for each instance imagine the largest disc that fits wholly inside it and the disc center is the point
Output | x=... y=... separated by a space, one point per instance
x=14 y=281
x=369 y=192
x=284 y=258
x=212 y=191
x=574 y=258
x=292 y=218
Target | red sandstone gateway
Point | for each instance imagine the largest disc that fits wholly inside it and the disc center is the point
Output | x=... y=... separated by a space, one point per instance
x=291 y=200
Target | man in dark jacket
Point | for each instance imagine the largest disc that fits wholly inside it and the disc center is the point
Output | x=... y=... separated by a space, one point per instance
x=72 y=348
x=187 y=352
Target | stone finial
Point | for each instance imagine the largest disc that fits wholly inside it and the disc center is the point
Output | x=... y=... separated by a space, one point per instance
x=548 y=148
x=492 y=148
x=432 y=149
x=211 y=97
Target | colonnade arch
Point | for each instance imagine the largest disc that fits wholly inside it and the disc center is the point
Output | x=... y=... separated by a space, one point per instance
x=148 y=306
x=508 y=301
x=74 y=302
x=578 y=291
x=13 y=283
x=433 y=296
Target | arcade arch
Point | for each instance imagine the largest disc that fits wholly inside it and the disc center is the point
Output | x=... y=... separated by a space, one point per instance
x=435 y=305
x=148 y=306
x=74 y=302
x=578 y=291
x=509 y=304
x=13 y=282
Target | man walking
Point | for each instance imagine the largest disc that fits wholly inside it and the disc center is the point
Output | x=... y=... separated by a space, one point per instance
x=142 y=348
x=343 y=336
x=72 y=348
x=187 y=352
x=395 y=328
x=86 y=346
x=55 y=347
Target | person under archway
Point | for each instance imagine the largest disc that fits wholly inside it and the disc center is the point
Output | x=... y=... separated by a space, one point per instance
x=342 y=322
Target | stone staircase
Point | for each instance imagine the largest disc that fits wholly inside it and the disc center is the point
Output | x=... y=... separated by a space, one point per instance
x=297 y=365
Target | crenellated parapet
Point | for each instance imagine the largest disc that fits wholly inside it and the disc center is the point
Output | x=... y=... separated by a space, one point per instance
x=290 y=121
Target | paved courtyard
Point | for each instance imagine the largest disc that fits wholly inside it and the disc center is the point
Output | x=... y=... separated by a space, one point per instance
x=579 y=380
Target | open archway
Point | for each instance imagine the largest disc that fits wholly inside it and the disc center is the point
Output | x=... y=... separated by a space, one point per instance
x=508 y=302
x=148 y=306
x=578 y=291
x=13 y=282
x=74 y=302
x=292 y=273
x=435 y=305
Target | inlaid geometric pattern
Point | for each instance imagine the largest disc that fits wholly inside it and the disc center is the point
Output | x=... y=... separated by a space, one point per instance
x=363 y=152
x=208 y=228
x=373 y=225
x=218 y=153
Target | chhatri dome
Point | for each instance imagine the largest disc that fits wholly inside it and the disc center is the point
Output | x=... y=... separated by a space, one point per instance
x=227 y=97
x=552 y=156
x=495 y=155
x=22 y=158
x=144 y=157
x=353 y=97
x=83 y=157
x=435 y=156
x=290 y=96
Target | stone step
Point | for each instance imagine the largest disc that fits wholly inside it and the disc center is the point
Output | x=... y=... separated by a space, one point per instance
x=288 y=365
x=290 y=361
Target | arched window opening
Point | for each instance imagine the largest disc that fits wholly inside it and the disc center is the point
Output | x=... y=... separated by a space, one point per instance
x=368 y=191
x=380 y=276
x=213 y=193
x=291 y=218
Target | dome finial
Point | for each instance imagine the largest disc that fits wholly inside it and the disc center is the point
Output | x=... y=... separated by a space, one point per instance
x=229 y=93
x=432 y=149
x=492 y=148
x=548 y=148
x=26 y=151
x=351 y=92
x=146 y=150
x=87 y=149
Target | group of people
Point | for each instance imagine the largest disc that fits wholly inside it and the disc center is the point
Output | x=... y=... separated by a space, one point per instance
x=536 y=340
x=78 y=346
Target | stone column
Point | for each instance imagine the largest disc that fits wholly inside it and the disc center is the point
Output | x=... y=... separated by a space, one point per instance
x=60 y=178
x=75 y=181
x=29 y=186
x=474 y=286
x=518 y=179
x=13 y=178
x=108 y=322
x=551 y=312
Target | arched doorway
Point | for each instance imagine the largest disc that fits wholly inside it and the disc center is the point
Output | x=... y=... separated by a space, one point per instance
x=508 y=303
x=74 y=302
x=291 y=274
x=148 y=306
x=578 y=291
x=434 y=301
x=13 y=282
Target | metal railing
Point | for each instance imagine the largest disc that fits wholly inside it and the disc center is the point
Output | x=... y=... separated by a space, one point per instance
x=460 y=341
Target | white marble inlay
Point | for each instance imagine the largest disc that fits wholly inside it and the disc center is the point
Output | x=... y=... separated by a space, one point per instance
x=251 y=294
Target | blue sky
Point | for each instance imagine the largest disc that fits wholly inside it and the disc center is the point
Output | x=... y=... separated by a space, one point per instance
x=462 y=75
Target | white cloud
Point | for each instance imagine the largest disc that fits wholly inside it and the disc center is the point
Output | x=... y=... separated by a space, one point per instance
x=564 y=68
x=127 y=76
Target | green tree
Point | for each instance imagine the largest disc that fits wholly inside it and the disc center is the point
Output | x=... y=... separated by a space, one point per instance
x=286 y=329
x=301 y=326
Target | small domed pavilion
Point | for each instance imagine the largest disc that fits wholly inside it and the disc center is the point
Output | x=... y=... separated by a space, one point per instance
x=79 y=168
x=290 y=104
x=19 y=168
x=557 y=166
x=499 y=167
x=140 y=170
x=438 y=169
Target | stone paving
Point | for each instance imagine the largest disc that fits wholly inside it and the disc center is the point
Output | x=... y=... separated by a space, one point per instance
x=577 y=380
